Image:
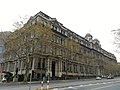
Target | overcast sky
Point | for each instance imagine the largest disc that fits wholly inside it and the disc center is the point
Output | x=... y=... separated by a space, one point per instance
x=97 y=17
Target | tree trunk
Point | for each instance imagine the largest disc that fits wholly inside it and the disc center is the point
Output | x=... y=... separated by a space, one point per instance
x=26 y=73
x=26 y=69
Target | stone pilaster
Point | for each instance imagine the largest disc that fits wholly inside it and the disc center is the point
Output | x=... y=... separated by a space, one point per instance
x=15 y=66
x=41 y=63
x=21 y=66
x=48 y=68
x=60 y=68
x=33 y=63
x=8 y=66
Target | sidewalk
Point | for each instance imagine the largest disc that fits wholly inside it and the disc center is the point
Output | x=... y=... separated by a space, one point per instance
x=39 y=82
x=53 y=83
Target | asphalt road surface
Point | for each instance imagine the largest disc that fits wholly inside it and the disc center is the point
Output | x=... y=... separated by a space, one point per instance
x=97 y=86
x=90 y=84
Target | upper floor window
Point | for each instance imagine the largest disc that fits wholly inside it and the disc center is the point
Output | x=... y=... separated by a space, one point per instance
x=1 y=49
x=66 y=33
x=59 y=30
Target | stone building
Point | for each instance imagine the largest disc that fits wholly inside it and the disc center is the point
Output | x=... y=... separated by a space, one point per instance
x=54 y=51
x=3 y=35
x=1 y=51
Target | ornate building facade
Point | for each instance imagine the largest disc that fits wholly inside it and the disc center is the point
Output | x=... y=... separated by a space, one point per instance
x=54 y=51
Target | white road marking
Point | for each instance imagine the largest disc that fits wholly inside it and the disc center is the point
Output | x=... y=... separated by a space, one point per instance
x=55 y=89
x=86 y=85
x=104 y=87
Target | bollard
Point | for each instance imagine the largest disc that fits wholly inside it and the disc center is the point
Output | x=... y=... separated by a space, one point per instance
x=48 y=87
x=41 y=85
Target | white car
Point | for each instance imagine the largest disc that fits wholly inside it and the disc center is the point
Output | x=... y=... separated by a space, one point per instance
x=4 y=79
x=98 y=78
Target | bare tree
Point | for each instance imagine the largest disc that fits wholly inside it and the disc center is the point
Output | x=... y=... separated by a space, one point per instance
x=26 y=39
x=4 y=35
x=116 y=34
x=19 y=23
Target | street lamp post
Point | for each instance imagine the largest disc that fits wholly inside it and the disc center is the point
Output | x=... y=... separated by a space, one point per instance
x=0 y=71
x=30 y=80
x=31 y=73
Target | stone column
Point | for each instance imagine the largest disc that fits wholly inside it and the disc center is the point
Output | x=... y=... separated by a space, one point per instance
x=32 y=68
x=21 y=66
x=84 y=71
x=18 y=65
x=8 y=66
x=50 y=65
x=98 y=70
x=60 y=68
x=5 y=67
x=15 y=66
x=33 y=63
x=48 y=69
x=0 y=71
x=41 y=63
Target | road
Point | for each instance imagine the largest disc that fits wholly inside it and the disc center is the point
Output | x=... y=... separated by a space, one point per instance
x=97 y=86
x=90 y=84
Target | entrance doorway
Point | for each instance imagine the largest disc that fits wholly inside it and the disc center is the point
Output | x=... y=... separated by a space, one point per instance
x=53 y=68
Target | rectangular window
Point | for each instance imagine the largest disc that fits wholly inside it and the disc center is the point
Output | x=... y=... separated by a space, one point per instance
x=1 y=49
x=43 y=63
x=63 y=67
x=39 y=63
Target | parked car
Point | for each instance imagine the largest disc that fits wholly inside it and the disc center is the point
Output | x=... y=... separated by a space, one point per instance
x=4 y=79
x=110 y=77
x=98 y=78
